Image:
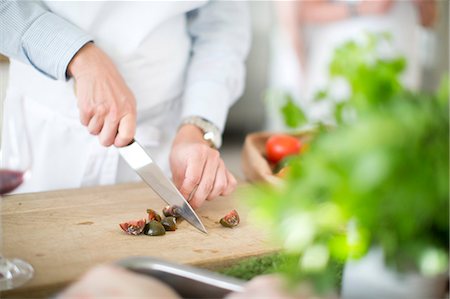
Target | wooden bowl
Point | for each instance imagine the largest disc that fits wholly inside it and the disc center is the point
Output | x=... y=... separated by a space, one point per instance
x=255 y=166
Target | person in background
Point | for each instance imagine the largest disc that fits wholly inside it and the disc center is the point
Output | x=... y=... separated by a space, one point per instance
x=107 y=281
x=309 y=31
x=164 y=73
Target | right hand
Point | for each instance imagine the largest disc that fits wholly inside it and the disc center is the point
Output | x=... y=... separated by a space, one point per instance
x=108 y=281
x=106 y=104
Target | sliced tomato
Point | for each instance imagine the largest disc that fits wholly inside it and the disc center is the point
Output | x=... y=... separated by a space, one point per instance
x=152 y=215
x=133 y=227
x=280 y=146
x=231 y=219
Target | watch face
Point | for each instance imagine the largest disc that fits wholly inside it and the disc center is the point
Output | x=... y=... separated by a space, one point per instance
x=209 y=136
x=211 y=133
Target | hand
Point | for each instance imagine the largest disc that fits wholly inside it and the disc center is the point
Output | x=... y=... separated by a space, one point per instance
x=374 y=7
x=198 y=171
x=115 y=282
x=107 y=106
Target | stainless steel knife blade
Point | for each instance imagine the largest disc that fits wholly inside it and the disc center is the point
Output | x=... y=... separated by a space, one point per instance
x=138 y=159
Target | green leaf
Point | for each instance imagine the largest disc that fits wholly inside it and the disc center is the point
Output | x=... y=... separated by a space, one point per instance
x=443 y=91
x=292 y=114
x=320 y=95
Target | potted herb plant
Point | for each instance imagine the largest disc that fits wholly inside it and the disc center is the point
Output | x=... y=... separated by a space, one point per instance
x=375 y=187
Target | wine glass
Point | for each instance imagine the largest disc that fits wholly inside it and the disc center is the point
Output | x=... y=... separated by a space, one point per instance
x=15 y=165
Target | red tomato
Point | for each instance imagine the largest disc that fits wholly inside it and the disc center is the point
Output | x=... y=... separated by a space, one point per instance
x=133 y=227
x=231 y=219
x=281 y=146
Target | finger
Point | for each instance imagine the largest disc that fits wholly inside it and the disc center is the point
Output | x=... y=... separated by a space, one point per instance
x=231 y=186
x=207 y=179
x=108 y=133
x=96 y=124
x=193 y=175
x=220 y=183
x=126 y=130
x=85 y=115
x=177 y=173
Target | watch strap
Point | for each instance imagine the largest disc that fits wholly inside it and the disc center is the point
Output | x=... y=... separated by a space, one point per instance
x=210 y=131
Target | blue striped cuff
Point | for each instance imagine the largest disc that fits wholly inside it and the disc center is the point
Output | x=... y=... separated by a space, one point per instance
x=50 y=44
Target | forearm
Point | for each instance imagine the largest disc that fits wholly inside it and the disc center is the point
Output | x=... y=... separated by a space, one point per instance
x=323 y=11
x=290 y=23
x=36 y=36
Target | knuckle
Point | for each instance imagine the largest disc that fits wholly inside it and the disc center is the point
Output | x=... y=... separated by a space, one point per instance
x=203 y=150
x=206 y=188
x=113 y=116
x=192 y=181
x=85 y=107
x=100 y=109
x=221 y=186
x=215 y=153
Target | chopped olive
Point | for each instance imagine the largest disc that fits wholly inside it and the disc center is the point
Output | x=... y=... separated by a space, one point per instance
x=169 y=223
x=154 y=228
x=173 y=211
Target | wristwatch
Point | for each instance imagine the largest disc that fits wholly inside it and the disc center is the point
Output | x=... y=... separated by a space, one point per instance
x=210 y=132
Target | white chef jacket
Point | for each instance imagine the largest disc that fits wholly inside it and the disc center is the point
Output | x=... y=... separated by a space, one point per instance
x=175 y=66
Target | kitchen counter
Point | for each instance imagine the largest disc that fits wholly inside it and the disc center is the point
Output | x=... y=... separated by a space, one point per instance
x=64 y=233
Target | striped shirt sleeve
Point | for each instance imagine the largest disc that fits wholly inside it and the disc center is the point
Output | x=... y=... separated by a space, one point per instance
x=220 y=33
x=31 y=33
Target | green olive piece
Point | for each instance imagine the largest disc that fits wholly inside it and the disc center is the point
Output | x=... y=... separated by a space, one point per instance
x=154 y=228
x=169 y=223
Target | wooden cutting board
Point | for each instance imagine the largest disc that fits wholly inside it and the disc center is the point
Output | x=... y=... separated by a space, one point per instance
x=64 y=233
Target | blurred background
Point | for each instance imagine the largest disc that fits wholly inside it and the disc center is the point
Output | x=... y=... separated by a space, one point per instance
x=292 y=44
x=273 y=63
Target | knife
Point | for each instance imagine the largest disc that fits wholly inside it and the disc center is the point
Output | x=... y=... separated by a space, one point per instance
x=138 y=159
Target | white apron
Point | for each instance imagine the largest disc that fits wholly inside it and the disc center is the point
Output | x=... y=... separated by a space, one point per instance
x=149 y=45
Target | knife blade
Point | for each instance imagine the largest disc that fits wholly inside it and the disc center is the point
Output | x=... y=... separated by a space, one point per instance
x=138 y=159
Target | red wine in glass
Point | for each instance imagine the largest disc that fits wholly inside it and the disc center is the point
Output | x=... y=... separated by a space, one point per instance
x=13 y=272
x=15 y=164
x=10 y=180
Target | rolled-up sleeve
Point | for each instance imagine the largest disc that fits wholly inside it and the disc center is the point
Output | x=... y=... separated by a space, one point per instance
x=34 y=35
x=220 y=33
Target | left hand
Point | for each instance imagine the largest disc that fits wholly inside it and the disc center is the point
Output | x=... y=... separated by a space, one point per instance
x=198 y=170
x=113 y=282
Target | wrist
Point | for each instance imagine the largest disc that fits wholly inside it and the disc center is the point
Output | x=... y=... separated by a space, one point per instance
x=80 y=59
x=190 y=133
x=211 y=134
